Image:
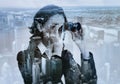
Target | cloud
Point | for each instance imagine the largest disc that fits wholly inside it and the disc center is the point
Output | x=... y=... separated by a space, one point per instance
x=92 y=2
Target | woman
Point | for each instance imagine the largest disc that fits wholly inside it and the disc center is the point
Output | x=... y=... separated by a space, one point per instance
x=58 y=60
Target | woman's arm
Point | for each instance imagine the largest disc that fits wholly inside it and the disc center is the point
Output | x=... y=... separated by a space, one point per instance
x=88 y=69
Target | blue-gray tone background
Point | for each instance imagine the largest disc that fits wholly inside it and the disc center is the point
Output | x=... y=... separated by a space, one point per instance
x=102 y=27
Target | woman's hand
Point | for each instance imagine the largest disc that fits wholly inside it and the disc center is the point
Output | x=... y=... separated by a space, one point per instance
x=81 y=44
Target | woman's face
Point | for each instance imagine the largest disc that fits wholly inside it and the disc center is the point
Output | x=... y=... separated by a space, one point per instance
x=50 y=30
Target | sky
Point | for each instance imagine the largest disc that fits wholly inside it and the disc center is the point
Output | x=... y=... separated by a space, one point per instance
x=40 y=3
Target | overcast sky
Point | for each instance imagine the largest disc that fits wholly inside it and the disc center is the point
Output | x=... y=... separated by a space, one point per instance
x=40 y=3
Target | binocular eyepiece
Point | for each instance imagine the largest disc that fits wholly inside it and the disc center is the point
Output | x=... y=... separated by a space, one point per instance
x=73 y=26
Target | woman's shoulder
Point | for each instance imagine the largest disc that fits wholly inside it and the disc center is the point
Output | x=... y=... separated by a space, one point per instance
x=20 y=55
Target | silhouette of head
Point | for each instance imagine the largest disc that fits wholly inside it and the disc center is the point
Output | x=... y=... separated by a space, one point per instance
x=43 y=16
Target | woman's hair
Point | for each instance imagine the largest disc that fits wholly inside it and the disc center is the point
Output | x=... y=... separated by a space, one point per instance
x=43 y=15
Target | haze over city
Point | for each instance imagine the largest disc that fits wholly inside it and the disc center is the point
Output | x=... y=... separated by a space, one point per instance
x=40 y=3
x=102 y=25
